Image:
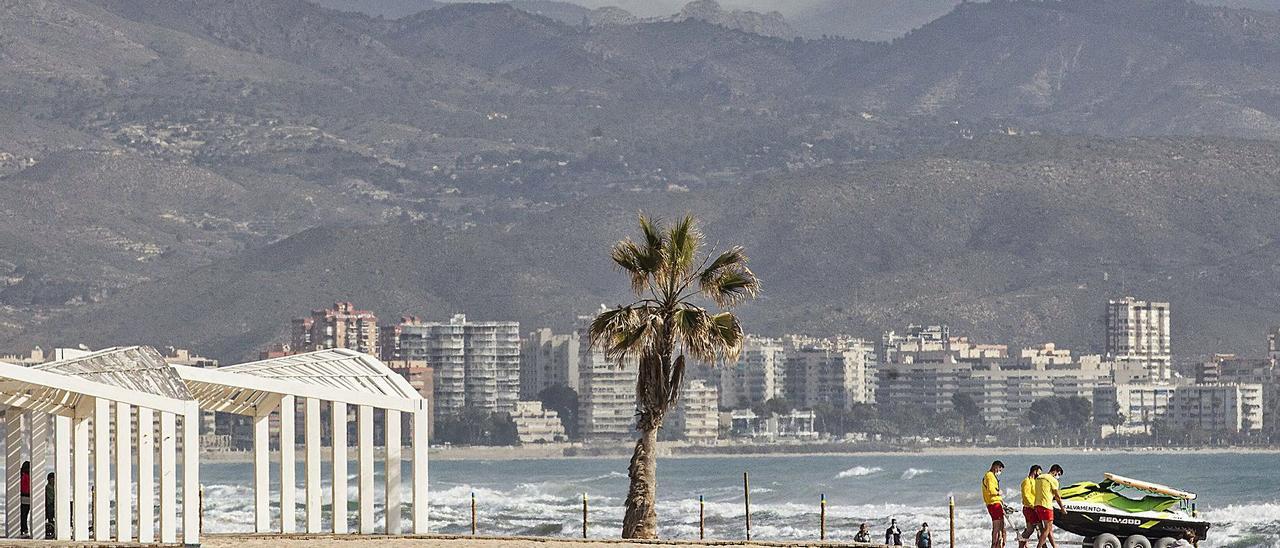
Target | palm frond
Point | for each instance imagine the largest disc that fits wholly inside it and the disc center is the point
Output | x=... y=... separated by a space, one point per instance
x=683 y=241
x=625 y=331
x=728 y=334
x=639 y=263
x=731 y=286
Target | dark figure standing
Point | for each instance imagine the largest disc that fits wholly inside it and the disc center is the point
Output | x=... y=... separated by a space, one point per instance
x=923 y=538
x=893 y=535
x=24 y=496
x=50 y=505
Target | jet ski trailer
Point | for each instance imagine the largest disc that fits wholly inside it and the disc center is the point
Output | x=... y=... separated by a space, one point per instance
x=1108 y=518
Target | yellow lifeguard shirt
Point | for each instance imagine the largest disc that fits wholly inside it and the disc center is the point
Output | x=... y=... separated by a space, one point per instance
x=991 y=489
x=1046 y=484
x=1028 y=492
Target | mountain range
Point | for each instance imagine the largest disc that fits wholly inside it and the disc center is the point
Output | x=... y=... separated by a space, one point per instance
x=195 y=173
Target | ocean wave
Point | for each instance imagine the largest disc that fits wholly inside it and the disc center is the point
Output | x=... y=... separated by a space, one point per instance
x=912 y=473
x=859 y=471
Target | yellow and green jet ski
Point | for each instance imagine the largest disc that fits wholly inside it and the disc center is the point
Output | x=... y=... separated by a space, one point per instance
x=1120 y=512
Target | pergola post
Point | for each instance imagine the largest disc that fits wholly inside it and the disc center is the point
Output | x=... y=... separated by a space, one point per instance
x=101 y=470
x=288 y=456
x=80 y=498
x=146 y=475
x=338 y=416
x=364 y=458
x=62 y=477
x=124 y=469
x=312 y=451
x=191 y=474
x=418 y=443
x=391 y=428
x=12 y=469
x=38 y=430
x=168 y=478
x=262 y=471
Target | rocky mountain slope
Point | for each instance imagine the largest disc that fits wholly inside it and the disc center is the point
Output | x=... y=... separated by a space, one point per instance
x=154 y=154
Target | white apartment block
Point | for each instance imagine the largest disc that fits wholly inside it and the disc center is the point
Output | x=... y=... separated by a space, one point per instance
x=535 y=424
x=1230 y=369
x=548 y=359
x=1140 y=405
x=1005 y=390
x=697 y=414
x=839 y=372
x=758 y=376
x=926 y=367
x=606 y=392
x=1138 y=335
x=477 y=364
x=1231 y=408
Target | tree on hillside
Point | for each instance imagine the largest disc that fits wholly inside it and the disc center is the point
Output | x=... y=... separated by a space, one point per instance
x=670 y=278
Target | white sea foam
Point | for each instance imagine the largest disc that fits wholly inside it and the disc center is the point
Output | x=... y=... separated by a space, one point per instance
x=859 y=471
x=912 y=473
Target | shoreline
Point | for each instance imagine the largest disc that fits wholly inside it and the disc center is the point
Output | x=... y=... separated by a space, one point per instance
x=558 y=452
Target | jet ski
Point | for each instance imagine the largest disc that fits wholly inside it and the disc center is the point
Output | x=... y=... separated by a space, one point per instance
x=1120 y=512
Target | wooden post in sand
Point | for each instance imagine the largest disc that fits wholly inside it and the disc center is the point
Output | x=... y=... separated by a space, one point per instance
x=473 y=513
x=746 y=502
x=951 y=502
x=822 y=517
x=702 y=519
x=584 y=515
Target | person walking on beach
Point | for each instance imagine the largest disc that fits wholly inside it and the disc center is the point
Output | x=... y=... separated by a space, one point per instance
x=923 y=539
x=995 y=503
x=893 y=535
x=864 y=534
x=1029 y=505
x=24 y=498
x=1046 y=495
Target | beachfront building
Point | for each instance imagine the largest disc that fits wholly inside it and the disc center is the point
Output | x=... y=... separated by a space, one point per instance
x=1137 y=335
x=759 y=374
x=839 y=372
x=325 y=383
x=1231 y=369
x=696 y=416
x=1231 y=408
x=548 y=359
x=342 y=326
x=476 y=364
x=1139 y=405
x=795 y=425
x=1005 y=389
x=607 y=392
x=537 y=425
x=104 y=408
x=925 y=367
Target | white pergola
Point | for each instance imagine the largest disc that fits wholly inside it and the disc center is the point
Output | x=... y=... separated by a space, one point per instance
x=93 y=401
x=342 y=378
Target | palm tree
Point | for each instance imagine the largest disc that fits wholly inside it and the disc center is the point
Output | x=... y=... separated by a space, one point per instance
x=670 y=277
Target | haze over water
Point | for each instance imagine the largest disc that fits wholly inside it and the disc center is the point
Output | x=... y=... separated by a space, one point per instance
x=1239 y=493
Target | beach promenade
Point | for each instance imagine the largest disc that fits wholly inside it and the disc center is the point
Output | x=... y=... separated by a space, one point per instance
x=440 y=541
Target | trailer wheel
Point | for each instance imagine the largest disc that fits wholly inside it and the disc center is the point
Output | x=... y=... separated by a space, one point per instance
x=1165 y=542
x=1106 y=540
x=1137 y=541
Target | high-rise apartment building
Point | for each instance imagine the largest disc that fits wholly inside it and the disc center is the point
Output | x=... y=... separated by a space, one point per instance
x=925 y=367
x=339 y=327
x=1230 y=369
x=1231 y=408
x=548 y=359
x=1005 y=389
x=696 y=416
x=1139 y=405
x=838 y=372
x=758 y=376
x=1138 y=336
x=606 y=392
x=476 y=364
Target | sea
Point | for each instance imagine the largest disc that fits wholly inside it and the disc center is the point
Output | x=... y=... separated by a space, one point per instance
x=1238 y=492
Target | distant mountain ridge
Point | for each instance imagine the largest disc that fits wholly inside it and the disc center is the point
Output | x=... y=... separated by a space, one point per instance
x=145 y=144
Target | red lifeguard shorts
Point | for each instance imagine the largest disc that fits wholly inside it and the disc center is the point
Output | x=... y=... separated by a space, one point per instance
x=1045 y=514
x=1029 y=512
x=996 y=511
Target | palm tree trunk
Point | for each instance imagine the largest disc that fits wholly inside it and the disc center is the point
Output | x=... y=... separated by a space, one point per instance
x=641 y=518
